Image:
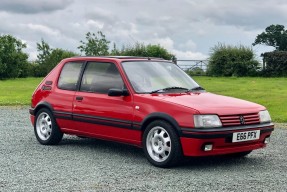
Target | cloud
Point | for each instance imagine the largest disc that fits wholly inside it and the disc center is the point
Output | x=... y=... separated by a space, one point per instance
x=187 y=28
x=188 y=45
x=42 y=29
x=168 y=44
x=32 y=6
x=247 y=14
x=189 y=55
x=95 y=24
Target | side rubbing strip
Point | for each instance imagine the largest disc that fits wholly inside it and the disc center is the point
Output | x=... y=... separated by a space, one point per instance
x=97 y=120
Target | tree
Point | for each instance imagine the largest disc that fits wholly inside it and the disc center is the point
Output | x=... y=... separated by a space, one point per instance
x=232 y=61
x=13 y=61
x=115 y=50
x=158 y=51
x=95 y=45
x=141 y=50
x=44 y=51
x=56 y=56
x=275 y=64
x=48 y=58
x=275 y=36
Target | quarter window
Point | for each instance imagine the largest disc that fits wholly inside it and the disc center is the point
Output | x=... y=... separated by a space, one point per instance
x=69 y=76
x=100 y=77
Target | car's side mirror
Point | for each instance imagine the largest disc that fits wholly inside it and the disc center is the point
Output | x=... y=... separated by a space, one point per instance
x=118 y=92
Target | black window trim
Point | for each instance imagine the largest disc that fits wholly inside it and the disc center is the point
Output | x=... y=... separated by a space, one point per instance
x=59 y=75
x=79 y=83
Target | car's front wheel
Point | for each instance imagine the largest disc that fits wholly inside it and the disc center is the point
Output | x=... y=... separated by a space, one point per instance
x=161 y=144
x=46 y=129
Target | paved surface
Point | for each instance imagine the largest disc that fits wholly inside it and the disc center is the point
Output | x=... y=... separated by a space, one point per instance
x=92 y=165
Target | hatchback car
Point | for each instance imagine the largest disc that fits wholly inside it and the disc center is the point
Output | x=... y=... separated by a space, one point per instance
x=146 y=102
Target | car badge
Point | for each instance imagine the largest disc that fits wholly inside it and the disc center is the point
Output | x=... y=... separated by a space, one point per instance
x=242 y=120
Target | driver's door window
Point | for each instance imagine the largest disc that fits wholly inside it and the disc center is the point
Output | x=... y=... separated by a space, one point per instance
x=100 y=77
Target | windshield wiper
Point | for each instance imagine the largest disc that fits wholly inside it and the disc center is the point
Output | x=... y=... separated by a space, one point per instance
x=198 y=88
x=167 y=88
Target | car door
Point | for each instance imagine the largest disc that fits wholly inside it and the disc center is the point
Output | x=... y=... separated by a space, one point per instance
x=99 y=115
x=61 y=98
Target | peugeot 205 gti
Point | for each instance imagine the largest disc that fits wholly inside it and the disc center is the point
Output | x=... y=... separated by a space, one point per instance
x=146 y=102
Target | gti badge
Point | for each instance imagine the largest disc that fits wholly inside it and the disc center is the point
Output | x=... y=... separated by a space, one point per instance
x=242 y=120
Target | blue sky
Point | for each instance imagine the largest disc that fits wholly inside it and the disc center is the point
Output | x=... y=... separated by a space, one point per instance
x=187 y=28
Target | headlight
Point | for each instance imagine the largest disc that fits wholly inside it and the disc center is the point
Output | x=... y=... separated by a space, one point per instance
x=206 y=121
x=264 y=116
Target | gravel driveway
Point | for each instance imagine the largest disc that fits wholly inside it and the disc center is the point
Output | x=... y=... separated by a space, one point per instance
x=93 y=165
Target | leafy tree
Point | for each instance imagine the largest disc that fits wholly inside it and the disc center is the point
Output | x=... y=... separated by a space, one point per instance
x=139 y=49
x=158 y=51
x=275 y=64
x=48 y=58
x=232 y=61
x=44 y=51
x=56 y=56
x=13 y=61
x=275 y=36
x=195 y=71
x=95 y=45
x=115 y=50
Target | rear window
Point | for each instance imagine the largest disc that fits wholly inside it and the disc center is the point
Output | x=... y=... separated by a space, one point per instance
x=69 y=76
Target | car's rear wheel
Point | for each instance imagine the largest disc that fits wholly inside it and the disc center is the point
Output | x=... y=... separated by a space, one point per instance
x=161 y=144
x=46 y=129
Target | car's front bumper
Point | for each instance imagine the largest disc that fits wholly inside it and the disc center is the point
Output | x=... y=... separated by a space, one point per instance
x=193 y=141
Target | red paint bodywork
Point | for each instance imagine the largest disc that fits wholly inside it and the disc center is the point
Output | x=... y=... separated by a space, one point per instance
x=180 y=106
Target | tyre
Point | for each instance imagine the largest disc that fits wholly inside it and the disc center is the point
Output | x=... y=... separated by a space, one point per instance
x=161 y=144
x=46 y=129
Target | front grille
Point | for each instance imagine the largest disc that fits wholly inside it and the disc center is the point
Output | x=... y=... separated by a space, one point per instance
x=235 y=120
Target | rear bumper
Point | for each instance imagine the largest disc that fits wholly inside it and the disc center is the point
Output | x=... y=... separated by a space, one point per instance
x=193 y=140
x=32 y=111
x=32 y=115
x=32 y=119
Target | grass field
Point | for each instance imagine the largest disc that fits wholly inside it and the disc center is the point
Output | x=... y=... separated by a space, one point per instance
x=270 y=92
x=17 y=91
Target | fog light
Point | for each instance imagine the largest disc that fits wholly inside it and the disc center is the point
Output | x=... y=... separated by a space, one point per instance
x=267 y=140
x=207 y=147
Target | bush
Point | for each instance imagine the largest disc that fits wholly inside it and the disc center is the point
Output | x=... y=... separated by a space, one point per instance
x=275 y=64
x=142 y=50
x=197 y=71
x=13 y=61
x=36 y=70
x=232 y=61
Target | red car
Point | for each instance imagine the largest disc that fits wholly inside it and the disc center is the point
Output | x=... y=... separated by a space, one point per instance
x=146 y=102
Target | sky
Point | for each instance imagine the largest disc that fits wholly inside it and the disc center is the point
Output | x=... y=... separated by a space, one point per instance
x=186 y=28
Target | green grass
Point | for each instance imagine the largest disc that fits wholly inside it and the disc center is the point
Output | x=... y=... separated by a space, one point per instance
x=270 y=92
x=17 y=91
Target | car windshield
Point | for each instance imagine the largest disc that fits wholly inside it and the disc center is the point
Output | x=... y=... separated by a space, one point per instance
x=154 y=77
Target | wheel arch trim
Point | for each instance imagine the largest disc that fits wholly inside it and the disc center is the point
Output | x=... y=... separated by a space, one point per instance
x=42 y=104
x=161 y=116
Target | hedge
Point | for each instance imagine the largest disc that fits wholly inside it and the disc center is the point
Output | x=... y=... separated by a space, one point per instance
x=275 y=64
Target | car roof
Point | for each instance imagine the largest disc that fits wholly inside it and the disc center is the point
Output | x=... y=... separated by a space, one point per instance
x=120 y=57
x=112 y=58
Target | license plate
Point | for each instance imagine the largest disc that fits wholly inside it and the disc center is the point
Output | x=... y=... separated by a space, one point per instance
x=245 y=136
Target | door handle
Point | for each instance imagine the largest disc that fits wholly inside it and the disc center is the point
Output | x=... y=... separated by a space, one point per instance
x=79 y=98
